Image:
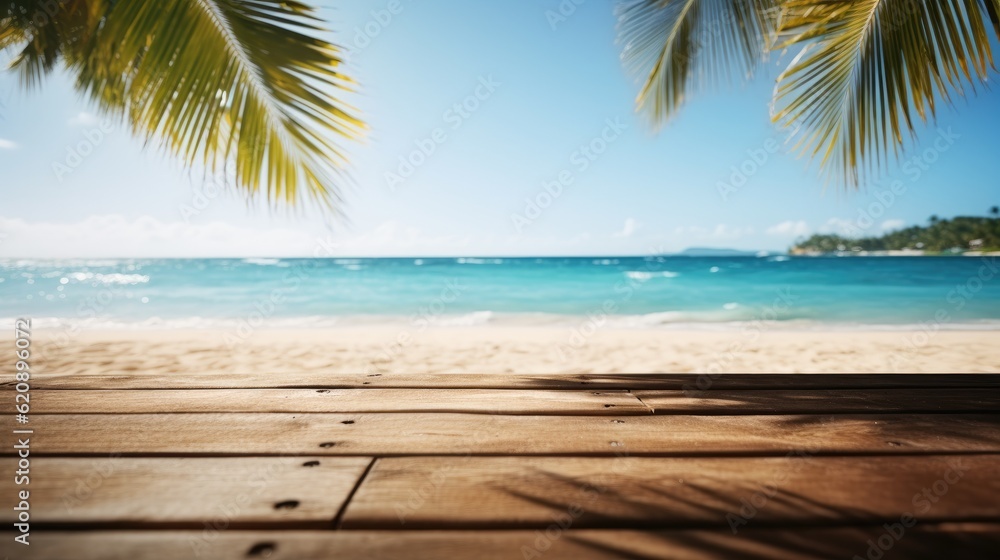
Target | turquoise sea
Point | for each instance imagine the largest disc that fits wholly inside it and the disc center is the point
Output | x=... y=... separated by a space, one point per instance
x=620 y=292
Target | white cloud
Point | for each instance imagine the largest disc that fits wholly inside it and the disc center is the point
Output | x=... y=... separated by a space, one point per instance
x=631 y=226
x=83 y=118
x=892 y=225
x=7 y=144
x=115 y=236
x=720 y=231
x=840 y=226
x=789 y=228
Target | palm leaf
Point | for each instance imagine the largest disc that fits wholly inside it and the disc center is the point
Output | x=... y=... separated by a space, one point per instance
x=679 y=46
x=40 y=31
x=869 y=69
x=218 y=81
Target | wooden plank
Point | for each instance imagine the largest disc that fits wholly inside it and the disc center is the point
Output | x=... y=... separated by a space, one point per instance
x=518 y=401
x=832 y=401
x=489 y=401
x=923 y=541
x=301 y=491
x=691 y=382
x=631 y=492
x=489 y=434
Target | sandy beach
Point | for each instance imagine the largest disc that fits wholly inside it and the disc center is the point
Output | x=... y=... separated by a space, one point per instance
x=386 y=349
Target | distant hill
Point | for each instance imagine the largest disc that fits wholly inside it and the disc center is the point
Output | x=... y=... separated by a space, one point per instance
x=956 y=235
x=713 y=252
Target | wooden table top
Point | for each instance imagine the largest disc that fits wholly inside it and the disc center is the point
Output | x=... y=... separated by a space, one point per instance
x=418 y=467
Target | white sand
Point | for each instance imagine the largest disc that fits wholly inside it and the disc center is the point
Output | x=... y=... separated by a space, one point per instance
x=503 y=349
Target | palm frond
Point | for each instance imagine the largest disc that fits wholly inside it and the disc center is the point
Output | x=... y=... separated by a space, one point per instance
x=41 y=31
x=869 y=69
x=217 y=81
x=679 y=46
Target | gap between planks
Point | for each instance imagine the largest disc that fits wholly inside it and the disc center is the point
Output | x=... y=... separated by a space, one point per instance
x=401 y=434
x=338 y=521
x=923 y=540
x=656 y=381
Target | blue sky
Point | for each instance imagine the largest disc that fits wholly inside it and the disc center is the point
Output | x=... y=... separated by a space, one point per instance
x=545 y=91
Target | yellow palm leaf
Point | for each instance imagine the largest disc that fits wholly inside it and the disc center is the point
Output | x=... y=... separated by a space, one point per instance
x=247 y=82
x=679 y=46
x=869 y=69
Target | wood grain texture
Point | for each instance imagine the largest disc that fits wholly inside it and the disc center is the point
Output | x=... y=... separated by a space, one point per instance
x=630 y=492
x=222 y=492
x=488 y=434
x=489 y=466
x=830 y=401
x=485 y=401
x=661 y=381
x=925 y=541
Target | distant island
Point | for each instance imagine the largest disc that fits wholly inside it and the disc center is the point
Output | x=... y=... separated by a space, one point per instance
x=959 y=235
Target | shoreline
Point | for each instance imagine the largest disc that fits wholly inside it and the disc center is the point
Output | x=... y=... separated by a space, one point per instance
x=494 y=349
x=486 y=320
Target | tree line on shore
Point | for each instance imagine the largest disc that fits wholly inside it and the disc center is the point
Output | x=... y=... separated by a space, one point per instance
x=959 y=234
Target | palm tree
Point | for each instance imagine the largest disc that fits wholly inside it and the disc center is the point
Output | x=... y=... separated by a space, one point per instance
x=212 y=82
x=995 y=210
x=863 y=73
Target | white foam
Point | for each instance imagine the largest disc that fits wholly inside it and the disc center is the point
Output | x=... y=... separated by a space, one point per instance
x=467 y=320
x=730 y=320
x=643 y=276
x=106 y=279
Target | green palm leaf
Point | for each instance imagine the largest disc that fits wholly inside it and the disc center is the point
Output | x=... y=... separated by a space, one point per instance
x=211 y=81
x=679 y=46
x=869 y=69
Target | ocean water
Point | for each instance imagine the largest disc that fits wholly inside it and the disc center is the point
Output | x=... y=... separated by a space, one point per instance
x=616 y=292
